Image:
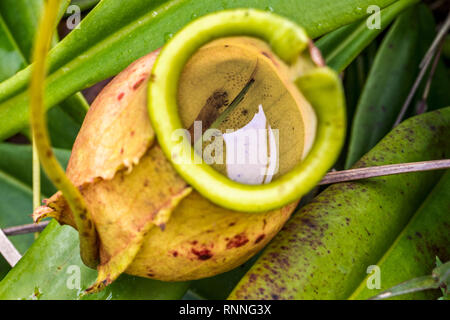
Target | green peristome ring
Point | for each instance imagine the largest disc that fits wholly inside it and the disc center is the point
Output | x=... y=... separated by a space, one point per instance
x=320 y=86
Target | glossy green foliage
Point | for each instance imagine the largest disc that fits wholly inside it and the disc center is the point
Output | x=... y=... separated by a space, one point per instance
x=11 y=59
x=390 y=80
x=414 y=252
x=324 y=250
x=99 y=49
x=16 y=161
x=342 y=46
x=439 y=96
x=439 y=280
x=15 y=207
x=22 y=18
x=355 y=78
x=18 y=22
x=16 y=193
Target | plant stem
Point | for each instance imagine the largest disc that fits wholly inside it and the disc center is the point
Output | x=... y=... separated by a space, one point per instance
x=36 y=177
x=379 y=171
x=83 y=221
x=440 y=36
x=36 y=171
x=25 y=229
x=428 y=58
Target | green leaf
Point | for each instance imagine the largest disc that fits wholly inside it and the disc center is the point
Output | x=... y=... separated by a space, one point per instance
x=100 y=49
x=355 y=78
x=22 y=18
x=411 y=286
x=16 y=194
x=15 y=209
x=445 y=291
x=52 y=265
x=63 y=128
x=392 y=75
x=413 y=253
x=439 y=96
x=16 y=161
x=446 y=48
x=324 y=250
x=342 y=46
x=76 y=107
x=11 y=60
x=439 y=278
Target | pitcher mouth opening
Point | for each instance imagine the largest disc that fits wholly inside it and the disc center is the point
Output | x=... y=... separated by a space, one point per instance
x=242 y=112
x=236 y=186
